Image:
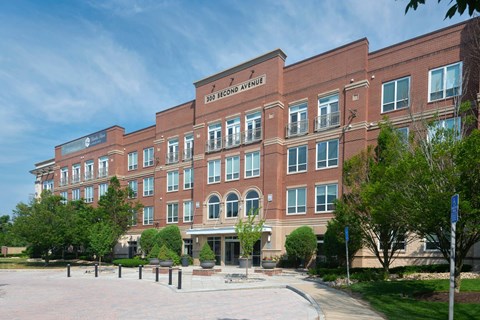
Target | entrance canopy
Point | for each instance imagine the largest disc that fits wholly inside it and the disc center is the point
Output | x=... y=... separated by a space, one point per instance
x=224 y=230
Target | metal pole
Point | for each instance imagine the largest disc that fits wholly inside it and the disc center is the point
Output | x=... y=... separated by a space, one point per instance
x=68 y=270
x=140 y=272
x=156 y=274
x=348 y=268
x=179 y=279
x=170 y=276
x=120 y=270
x=96 y=270
x=451 y=294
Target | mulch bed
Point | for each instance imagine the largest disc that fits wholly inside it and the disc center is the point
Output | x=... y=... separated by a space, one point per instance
x=462 y=297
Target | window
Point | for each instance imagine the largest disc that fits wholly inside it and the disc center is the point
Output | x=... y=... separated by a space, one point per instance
x=297 y=159
x=298 y=120
x=213 y=207
x=442 y=129
x=445 y=82
x=133 y=219
x=89 y=170
x=88 y=194
x=64 y=176
x=231 y=206
x=253 y=125
x=251 y=202
x=172 y=153
x=172 y=181
x=76 y=194
x=187 y=178
x=188 y=247
x=188 y=147
x=103 y=167
x=233 y=135
x=132 y=160
x=213 y=171
x=133 y=185
x=327 y=154
x=403 y=134
x=102 y=189
x=188 y=211
x=214 y=142
x=297 y=201
x=328 y=114
x=64 y=195
x=172 y=213
x=148 y=157
x=47 y=185
x=252 y=164
x=148 y=187
x=232 y=168
x=76 y=173
x=431 y=243
x=396 y=94
x=398 y=243
x=325 y=196
x=147 y=215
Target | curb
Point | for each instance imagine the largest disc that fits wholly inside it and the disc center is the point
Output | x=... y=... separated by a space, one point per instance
x=321 y=315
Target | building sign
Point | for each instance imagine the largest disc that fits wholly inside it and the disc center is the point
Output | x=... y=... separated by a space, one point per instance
x=230 y=91
x=84 y=143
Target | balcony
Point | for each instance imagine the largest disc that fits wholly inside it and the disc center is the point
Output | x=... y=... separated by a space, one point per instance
x=102 y=172
x=88 y=175
x=214 y=145
x=327 y=121
x=75 y=178
x=63 y=181
x=299 y=128
x=187 y=154
x=233 y=140
x=172 y=157
x=252 y=135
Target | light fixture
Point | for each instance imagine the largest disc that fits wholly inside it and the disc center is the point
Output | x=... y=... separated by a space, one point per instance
x=269 y=238
x=196 y=239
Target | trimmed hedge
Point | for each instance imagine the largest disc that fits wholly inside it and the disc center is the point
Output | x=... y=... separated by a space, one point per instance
x=130 y=263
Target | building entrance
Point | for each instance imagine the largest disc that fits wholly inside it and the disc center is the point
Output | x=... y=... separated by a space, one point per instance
x=232 y=251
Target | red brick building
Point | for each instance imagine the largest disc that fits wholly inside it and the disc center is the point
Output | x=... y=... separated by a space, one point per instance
x=267 y=135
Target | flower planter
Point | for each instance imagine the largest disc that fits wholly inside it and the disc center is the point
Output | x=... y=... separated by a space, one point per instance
x=269 y=264
x=166 y=263
x=153 y=261
x=207 y=264
x=185 y=261
x=242 y=262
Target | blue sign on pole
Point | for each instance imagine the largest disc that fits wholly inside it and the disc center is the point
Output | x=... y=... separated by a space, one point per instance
x=346 y=234
x=454 y=208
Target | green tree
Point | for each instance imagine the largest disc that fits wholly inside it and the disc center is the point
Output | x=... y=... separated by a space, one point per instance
x=459 y=6
x=148 y=240
x=102 y=239
x=301 y=243
x=334 y=241
x=249 y=232
x=171 y=237
x=7 y=236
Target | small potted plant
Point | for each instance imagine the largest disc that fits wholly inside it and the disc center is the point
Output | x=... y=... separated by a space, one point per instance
x=269 y=262
x=165 y=257
x=207 y=257
x=185 y=259
x=153 y=255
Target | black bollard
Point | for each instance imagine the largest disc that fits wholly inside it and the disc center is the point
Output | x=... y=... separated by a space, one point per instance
x=140 y=272
x=170 y=276
x=119 y=270
x=68 y=270
x=179 y=279
x=96 y=270
x=156 y=274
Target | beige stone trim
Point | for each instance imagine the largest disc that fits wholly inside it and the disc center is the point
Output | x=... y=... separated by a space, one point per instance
x=358 y=84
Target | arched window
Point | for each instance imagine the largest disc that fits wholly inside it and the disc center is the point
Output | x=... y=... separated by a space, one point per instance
x=232 y=205
x=251 y=202
x=213 y=207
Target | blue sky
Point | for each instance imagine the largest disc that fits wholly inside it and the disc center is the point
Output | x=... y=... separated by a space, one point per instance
x=70 y=68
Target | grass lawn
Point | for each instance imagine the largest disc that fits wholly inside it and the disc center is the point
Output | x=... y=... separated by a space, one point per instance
x=22 y=263
x=395 y=299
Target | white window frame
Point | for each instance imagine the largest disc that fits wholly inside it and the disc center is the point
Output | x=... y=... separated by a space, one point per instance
x=102 y=189
x=328 y=161
x=445 y=81
x=134 y=218
x=188 y=211
x=88 y=193
x=396 y=100
x=89 y=170
x=64 y=195
x=188 y=183
x=76 y=175
x=64 y=176
x=188 y=147
x=327 y=115
x=171 y=216
x=172 y=151
x=217 y=171
x=148 y=186
x=326 y=203
x=254 y=171
x=296 y=204
x=132 y=161
x=297 y=164
x=218 y=204
x=172 y=181
x=103 y=167
x=444 y=125
x=214 y=137
x=148 y=157
x=133 y=185
x=394 y=243
x=249 y=202
x=147 y=216
x=231 y=173
x=426 y=241
x=231 y=203
x=76 y=194
x=253 y=127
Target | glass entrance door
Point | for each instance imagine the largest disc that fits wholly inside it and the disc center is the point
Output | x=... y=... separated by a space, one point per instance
x=232 y=251
x=256 y=255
